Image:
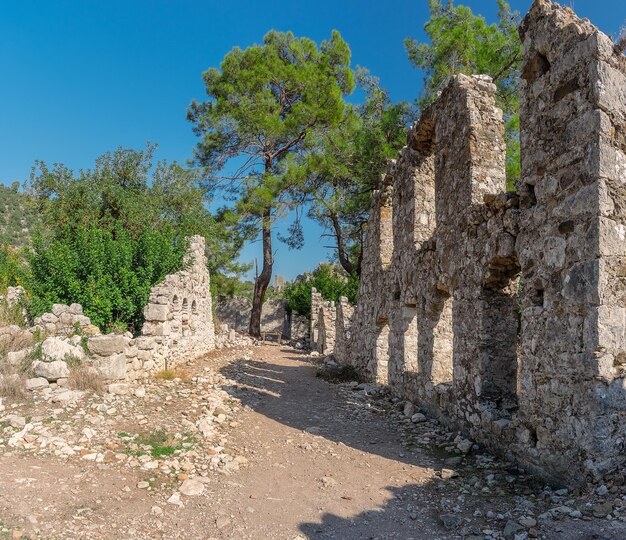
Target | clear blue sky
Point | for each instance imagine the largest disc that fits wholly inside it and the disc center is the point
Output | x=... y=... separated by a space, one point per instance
x=81 y=77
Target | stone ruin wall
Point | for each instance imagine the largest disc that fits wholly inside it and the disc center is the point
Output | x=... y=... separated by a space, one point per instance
x=502 y=314
x=275 y=317
x=178 y=327
x=178 y=324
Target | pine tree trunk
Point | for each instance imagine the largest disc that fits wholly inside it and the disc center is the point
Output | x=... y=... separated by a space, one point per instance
x=264 y=278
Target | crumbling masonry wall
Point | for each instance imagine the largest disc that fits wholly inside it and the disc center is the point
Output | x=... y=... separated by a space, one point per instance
x=502 y=314
x=178 y=324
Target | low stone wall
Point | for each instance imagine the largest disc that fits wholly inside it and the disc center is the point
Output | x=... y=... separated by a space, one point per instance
x=178 y=327
x=65 y=320
x=275 y=317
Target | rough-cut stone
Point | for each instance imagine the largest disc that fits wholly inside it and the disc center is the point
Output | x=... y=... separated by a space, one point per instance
x=111 y=367
x=119 y=389
x=191 y=487
x=275 y=317
x=107 y=345
x=51 y=371
x=535 y=368
x=36 y=383
x=55 y=348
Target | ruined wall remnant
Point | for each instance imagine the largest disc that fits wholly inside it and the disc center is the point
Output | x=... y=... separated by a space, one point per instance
x=178 y=324
x=275 y=316
x=504 y=315
x=326 y=323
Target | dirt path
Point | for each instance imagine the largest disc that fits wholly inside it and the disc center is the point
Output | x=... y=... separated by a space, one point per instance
x=324 y=461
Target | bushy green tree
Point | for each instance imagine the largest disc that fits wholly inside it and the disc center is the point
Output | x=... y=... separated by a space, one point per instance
x=329 y=280
x=349 y=164
x=112 y=232
x=265 y=104
x=461 y=42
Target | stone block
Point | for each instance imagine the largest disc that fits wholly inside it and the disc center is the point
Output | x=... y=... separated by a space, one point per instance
x=55 y=348
x=111 y=367
x=37 y=383
x=76 y=309
x=51 y=371
x=156 y=312
x=59 y=309
x=107 y=344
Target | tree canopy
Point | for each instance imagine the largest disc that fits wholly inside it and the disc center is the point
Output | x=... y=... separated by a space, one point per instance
x=110 y=233
x=461 y=42
x=349 y=164
x=266 y=103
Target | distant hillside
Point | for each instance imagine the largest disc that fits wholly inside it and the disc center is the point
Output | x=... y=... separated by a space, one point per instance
x=17 y=219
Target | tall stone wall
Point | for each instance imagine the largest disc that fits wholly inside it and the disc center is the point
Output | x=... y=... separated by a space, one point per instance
x=504 y=314
x=327 y=320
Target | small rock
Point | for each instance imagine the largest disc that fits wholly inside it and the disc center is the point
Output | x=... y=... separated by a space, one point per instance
x=222 y=522
x=446 y=474
x=602 y=509
x=527 y=521
x=602 y=490
x=450 y=521
x=464 y=445
x=143 y=485
x=36 y=383
x=328 y=481
x=418 y=418
x=511 y=529
x=192 y=487
x=140 y=392
x=175 y=499
x=409 y=409
x=119 y=389
x=18 y=422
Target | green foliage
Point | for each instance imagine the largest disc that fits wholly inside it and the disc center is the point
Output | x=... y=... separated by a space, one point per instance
x=461 y=42
x=329 y=280
x=266 y=103
x=109 y=234
x=348 y=167
x=13 y=268
x=110 y=273
x=17 y=216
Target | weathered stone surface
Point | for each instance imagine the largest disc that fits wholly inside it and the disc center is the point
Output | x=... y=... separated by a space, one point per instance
x=107 y=344
x=119 y=389
x=51 y=371
x=54 y=348
x=111 y=367
x=537 y=368
x=156 y=312
x=191 y=487
x=36 y=383
x=275 y=317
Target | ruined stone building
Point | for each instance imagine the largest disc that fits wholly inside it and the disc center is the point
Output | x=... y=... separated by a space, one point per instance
x=501 y=314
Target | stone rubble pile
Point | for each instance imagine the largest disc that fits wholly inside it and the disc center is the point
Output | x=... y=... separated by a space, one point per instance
x=175 y=429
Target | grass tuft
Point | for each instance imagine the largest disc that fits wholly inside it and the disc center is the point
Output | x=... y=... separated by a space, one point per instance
x=171 y=374
x=86 y=378
x=337 y=374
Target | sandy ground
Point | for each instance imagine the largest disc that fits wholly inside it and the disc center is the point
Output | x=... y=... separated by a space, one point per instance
x=323 y=461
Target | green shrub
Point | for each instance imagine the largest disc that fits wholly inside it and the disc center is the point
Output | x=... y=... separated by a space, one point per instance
x=110 y=273
x=330 y=282
x=13 y=269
